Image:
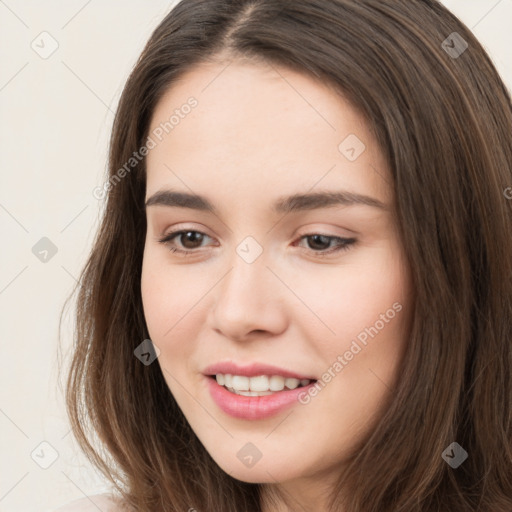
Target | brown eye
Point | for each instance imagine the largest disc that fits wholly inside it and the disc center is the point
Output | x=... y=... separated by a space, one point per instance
x=189 y=240
x=319 y=244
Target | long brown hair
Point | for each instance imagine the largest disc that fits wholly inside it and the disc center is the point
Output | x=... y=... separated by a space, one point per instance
x=443 y=120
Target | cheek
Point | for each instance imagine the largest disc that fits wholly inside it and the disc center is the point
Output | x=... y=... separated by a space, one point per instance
x=165 y=295
x=153 y=291
x=372 y=293
x=158 y=298
x=171 y=299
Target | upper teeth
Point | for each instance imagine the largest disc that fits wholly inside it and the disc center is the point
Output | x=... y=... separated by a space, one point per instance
x=259 y=383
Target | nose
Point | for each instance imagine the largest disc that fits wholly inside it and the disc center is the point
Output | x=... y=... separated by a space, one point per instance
x=249 y=301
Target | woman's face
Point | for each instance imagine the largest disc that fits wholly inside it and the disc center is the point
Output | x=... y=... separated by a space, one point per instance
x=270 y=289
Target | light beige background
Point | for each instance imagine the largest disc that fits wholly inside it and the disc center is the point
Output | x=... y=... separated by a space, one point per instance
x=56 y=115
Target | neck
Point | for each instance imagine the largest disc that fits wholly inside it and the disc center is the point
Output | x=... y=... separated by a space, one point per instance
x=298 y=495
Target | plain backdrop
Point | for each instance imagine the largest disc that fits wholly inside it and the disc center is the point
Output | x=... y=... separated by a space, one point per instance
x=63 y=67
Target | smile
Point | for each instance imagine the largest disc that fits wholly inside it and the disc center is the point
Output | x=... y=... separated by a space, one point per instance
x=256 y=405
x=260 y=385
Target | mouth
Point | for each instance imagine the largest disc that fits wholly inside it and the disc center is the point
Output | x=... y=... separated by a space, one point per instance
x=256 y=390
x=257 y=397
x=260 y=385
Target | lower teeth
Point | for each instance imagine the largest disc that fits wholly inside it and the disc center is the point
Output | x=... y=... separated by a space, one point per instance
x=254 y=393
x=251 y=393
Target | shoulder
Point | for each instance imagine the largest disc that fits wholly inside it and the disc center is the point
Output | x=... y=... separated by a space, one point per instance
x=103 y=502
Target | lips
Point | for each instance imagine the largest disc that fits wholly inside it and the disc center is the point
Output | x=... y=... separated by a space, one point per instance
x=253 y=370
x=246 y=405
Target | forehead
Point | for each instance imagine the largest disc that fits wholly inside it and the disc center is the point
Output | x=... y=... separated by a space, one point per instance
x=260 y=129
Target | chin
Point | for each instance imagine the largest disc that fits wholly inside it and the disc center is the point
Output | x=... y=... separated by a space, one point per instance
x=266 y=470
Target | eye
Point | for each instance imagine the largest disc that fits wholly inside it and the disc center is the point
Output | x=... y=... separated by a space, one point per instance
x=188 y=237
x=321 y=241
x=191 y=240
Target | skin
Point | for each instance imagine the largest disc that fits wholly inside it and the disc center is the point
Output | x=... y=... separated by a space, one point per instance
x=260 y=132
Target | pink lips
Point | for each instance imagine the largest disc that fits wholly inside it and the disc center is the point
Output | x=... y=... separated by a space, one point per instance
x=252 y=370
x=252 y=407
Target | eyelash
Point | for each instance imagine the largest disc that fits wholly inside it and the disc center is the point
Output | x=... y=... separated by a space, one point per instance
x=344 y=243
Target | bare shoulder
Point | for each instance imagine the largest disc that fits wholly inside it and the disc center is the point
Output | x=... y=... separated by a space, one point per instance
x=103 y=502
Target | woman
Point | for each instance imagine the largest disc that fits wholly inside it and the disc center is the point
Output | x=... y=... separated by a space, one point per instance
x=299 y=296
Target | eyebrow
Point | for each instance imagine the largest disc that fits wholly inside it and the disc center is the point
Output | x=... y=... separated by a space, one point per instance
x=284 y=204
